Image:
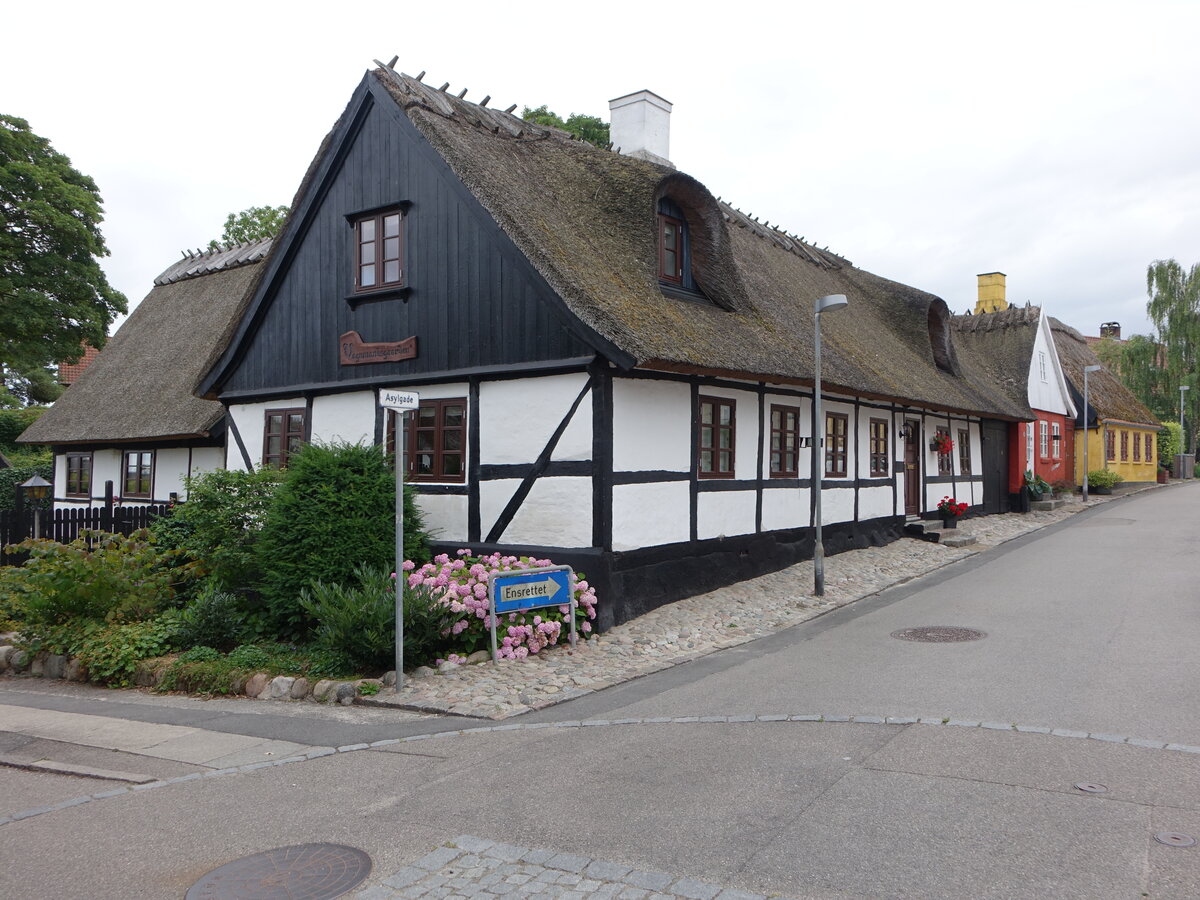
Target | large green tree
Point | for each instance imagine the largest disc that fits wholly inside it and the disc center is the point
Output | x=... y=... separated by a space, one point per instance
x=251 y=224
x=589 y=128
x=1174 y=308
x=54 y=297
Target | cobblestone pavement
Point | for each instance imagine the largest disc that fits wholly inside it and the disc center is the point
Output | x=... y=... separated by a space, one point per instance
x=470 y=867
x=702 y=624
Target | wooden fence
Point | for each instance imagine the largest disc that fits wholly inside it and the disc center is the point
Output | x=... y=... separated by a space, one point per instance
x=64 y=525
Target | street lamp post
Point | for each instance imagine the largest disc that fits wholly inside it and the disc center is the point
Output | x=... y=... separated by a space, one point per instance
x=1182 y=437
x=1086 y=436
x=828 y=302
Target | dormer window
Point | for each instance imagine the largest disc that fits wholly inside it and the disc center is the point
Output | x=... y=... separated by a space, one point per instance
x=670 y=247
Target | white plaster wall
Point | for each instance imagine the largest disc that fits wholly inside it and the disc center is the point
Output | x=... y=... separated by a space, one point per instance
x=249 y=420
x=170 y=468
x=207 y=459
x=725 y=513
x=837 y=505
x=517 y=418
x=343 y=418
x=786 y=508
x=746 y=436
x=445 y=515
x=652 y=426
x=106 y=466
x=557 y=513
x=875 y=503
x=1051 y=394
x=645 y=515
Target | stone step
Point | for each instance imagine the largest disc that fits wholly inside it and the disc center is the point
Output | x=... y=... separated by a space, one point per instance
x=957 y=539
x=1046 y=505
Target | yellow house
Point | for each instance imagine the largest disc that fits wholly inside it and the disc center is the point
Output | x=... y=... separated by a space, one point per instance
x=1121 y=433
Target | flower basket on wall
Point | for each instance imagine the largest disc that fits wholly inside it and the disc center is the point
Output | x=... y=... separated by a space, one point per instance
x=941 y=443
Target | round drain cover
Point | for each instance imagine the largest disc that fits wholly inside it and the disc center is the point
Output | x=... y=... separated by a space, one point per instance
x=939 y=634
x=1175 y=839
x=303 y=872
x=1090 y=787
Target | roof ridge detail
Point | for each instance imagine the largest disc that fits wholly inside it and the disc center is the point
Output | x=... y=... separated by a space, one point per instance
x=205 y=262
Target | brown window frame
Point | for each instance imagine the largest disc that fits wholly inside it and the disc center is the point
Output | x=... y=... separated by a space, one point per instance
x=280 y=460
x=714 y=428
x=81 y=472
x=377 y=219
x=964 y=451
x=1110 y=445
x=1137 y=447
x=879 y=431
x=836 y=445
x=945 y=461
x=779 y=438
x=1149 y=447
x=1124 y=445
x=144 y=489
x=440 y=430
x=665 y=221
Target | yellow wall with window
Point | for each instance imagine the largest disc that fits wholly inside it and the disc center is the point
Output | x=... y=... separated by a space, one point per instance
x=1143 y=468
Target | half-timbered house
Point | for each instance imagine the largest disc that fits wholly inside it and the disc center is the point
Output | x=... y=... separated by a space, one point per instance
x=1016 y=346
x=615 y=367
x=131 y=417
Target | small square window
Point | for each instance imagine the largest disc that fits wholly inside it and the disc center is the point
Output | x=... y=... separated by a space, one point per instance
x=138 y=480
x=79 y=475
x=283 y=435
x=436 y=441
x=715 y=447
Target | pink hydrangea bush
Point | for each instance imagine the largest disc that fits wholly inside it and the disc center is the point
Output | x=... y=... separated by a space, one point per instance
x=461 y=586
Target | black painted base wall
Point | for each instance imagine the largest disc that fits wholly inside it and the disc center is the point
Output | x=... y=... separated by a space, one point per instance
x=631 y=583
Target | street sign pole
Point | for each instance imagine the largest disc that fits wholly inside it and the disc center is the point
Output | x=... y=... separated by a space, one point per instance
x=399 y=402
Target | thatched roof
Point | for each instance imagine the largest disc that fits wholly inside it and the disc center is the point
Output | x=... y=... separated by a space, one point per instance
x=1001 y=344
x=140 y=386
x=586 y=218
x=1106 y=394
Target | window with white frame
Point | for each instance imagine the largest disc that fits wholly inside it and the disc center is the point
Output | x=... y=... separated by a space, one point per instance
x=1057 y=440
x=1029 y=445
x=1042 y=365
x=1043 y=438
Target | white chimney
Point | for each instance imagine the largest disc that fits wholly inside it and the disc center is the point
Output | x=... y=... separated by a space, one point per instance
x=641 y=126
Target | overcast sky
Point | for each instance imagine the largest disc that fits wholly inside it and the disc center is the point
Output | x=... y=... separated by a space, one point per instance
x=926 y=142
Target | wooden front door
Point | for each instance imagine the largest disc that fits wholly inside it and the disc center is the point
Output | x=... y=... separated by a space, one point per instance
x=912 y=468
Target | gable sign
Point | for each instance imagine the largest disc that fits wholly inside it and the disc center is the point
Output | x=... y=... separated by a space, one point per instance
x=354 y=351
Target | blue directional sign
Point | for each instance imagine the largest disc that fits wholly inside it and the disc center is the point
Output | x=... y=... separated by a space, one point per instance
x=531 y=588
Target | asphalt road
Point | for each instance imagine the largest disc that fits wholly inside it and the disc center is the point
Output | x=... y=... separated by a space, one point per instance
x=1090 y=628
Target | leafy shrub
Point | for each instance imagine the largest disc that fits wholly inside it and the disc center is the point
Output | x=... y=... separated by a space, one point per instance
x=334 y=510
x=219 y=524
x=1103 y=478
x=461 y=586
x=213 y=619
x=112 y=654
x=116 y=579
x=357 y=623
x=205 y=671
x=1169 y=441
x=1036 y=485
x=15 y=421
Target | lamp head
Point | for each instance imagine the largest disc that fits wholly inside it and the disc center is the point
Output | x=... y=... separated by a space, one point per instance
x=36 y=487
x=1087 y=369
x=1184 y=387
x=831 y=301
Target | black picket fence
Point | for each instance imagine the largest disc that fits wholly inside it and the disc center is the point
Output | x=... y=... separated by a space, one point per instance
x=64 y=525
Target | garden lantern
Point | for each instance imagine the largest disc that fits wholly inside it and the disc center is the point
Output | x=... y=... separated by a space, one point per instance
x=36 y=488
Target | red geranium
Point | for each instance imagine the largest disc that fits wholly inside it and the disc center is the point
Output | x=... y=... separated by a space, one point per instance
x=951 y=507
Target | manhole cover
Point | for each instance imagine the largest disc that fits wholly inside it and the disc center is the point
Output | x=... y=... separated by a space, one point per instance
x=303 y=872
x=1175 y=839
x=1090 y=787
x=939 y=634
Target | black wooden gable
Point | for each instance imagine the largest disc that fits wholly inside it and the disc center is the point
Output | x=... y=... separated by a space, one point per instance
x=472 y=300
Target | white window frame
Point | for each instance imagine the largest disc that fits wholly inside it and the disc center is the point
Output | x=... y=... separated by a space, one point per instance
x=1042 y=364
x=1043 y=438
x=1057 y=432
x=1029 y=447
